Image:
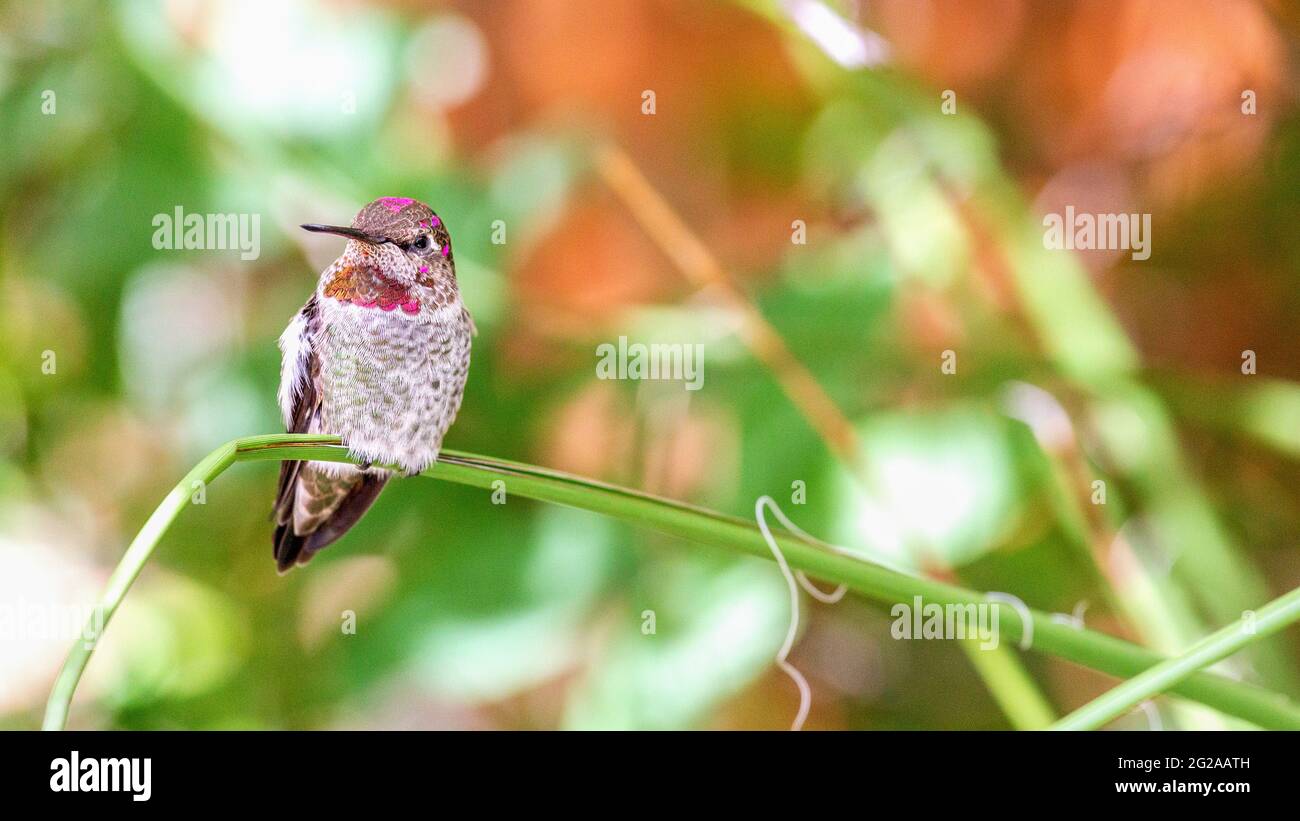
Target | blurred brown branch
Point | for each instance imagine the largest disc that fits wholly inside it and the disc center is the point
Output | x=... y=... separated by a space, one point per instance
x=689 y=254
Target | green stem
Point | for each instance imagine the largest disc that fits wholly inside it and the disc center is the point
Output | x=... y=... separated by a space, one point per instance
x=1010 y=684
x=141 y=548
x=1213 y=648
x=1095 y=650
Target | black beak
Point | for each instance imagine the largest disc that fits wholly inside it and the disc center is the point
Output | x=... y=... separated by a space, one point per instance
x=351 y=233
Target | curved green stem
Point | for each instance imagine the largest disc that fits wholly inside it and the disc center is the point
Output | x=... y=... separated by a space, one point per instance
x=1213 y=648
x=1090 y=649
x=124 y=575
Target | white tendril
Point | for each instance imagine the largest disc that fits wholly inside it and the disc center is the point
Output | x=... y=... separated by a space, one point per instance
x=805 y=692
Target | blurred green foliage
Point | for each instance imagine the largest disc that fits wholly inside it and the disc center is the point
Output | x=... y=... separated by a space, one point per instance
x=474 y=614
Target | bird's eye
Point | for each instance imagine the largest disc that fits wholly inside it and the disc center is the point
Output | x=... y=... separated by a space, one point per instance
x=422 y=243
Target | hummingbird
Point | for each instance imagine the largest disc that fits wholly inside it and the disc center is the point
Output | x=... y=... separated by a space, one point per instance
x=378 y=356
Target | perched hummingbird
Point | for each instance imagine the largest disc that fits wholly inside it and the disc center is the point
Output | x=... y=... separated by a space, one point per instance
x=377 y=356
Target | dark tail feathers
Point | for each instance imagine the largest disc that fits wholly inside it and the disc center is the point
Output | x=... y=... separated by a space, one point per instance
x=292 y=548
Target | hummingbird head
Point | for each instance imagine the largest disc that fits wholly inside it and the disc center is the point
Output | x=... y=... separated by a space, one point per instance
x=405 y=242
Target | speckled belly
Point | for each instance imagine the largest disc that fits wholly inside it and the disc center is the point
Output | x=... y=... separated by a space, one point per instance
x=391 y=384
